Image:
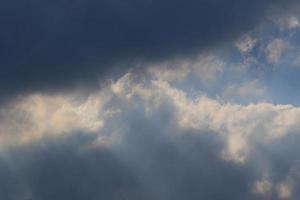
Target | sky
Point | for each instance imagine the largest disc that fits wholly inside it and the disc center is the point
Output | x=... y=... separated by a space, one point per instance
x=149 y=100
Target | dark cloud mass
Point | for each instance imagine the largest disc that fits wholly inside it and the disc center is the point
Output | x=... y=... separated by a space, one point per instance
x=155 y=167
x=150 y=163
x=55 y=44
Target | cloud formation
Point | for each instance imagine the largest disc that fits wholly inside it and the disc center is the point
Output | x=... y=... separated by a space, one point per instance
x=47 y=46
x=148 y=100
x=169 y=146
x=145 y=139
x=242 y=126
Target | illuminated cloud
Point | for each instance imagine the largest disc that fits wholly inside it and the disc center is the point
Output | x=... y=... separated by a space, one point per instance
x=38 y=116
x=241 y=125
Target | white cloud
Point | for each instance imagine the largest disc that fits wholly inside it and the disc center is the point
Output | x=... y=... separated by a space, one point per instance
x=245 y=43
x=240 y=125
x=275 y=49
x=248 y=91
x=206 y=67
x=38 y=115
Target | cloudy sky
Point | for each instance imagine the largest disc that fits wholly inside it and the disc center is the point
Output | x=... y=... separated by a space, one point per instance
x=149 y=100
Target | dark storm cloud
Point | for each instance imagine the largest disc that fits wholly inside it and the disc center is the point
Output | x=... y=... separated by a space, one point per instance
x=47 y=45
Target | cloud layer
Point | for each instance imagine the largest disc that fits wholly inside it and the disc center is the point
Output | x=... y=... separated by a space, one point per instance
x=145 y=139
x=54 y=45
x=149 y=99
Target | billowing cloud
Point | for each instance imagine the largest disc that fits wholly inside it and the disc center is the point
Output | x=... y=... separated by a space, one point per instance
x=145 y=139
x=38 y=116
x=242 y=126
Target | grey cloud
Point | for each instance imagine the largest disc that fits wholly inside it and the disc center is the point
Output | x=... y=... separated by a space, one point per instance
x=159 y=169
x=46 y=46
x=153 y=160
